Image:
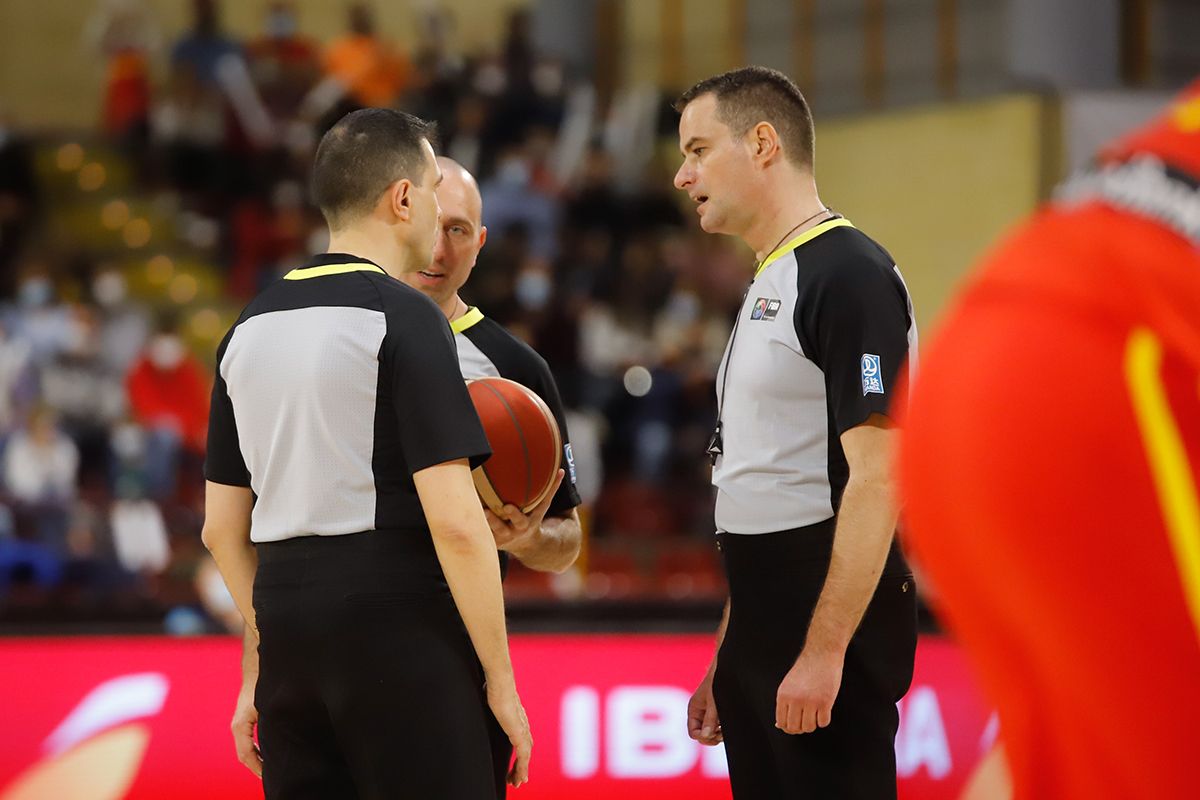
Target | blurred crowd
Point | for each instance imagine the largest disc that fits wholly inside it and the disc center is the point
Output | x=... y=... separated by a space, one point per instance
x=126 y=252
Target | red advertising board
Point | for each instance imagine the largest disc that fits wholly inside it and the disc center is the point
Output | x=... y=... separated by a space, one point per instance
x=108 y=718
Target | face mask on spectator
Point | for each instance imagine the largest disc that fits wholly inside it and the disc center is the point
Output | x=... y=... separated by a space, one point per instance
x=109 y=289
x=35 y=292
x=281 y=25
x=166 y=351
x=533 y=289
x=513 y=171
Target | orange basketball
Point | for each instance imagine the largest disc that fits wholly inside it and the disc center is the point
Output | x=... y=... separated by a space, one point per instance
x=526 y=444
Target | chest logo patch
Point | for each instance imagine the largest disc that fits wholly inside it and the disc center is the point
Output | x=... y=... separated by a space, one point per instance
x=872 y=380
x=765 y=308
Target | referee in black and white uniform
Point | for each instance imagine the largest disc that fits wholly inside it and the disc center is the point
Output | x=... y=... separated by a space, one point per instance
x=548 y=538
x=819 y=636
x=340 y=443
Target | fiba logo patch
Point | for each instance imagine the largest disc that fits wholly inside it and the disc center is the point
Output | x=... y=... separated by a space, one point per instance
x=765 y=309
x=570 y=457
x=872 y=380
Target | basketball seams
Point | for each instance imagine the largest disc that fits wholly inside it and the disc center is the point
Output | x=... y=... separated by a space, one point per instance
x=558 y=447
x=520 y=436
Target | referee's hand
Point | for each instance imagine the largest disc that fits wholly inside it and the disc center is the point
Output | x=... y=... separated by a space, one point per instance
x=703 y=724
x=806 y=695
x=245 y=717
x=506 y=706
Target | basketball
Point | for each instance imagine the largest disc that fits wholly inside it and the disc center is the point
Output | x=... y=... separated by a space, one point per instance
x=525 y=440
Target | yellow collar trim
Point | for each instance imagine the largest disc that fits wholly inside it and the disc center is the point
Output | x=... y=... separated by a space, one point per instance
x=468 y=319
x=807 y=236
x=303 y=273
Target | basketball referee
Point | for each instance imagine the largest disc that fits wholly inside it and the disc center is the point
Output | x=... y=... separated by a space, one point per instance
x=549 y=537
x=340 y=508
x=819 y=633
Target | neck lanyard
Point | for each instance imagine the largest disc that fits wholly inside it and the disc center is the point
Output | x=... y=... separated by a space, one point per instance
x=716 y=442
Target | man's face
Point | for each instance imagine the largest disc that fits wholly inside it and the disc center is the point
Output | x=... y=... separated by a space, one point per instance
x=425 y=212
x=459 y=239
x=716 y=167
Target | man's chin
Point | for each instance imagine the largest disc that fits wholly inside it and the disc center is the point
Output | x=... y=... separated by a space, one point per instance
x=710 y=223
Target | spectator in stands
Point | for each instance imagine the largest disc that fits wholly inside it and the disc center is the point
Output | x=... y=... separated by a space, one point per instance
x=40 y=465
x=188 y=124
x=18 y=382
x=510 y=198
x=85 y=393
x=127 y=37
x=362 y=70
x=285 y=66
x=284 y=63
x=210 y=78
x=124 y=323
x=37 y=317
x=168 y=396
x=203 y=49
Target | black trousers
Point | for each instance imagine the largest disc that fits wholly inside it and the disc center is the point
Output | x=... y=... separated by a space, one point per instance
x=775 y=580
x=368 y=684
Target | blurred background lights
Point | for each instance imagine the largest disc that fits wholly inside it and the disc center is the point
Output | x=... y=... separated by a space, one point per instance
x=206 y=323
x=183 y=288
x=92 y=177
x=69 y=157
x=638 y=381
x=160 y=269
x=114 y=214
x=136 y=233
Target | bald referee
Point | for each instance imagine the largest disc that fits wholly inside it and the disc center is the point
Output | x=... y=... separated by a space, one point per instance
x=548 y=538
x=340 y=508
x=819 y=633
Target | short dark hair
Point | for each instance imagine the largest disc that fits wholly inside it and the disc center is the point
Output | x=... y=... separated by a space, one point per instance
x=361 y=155
x=750 y=95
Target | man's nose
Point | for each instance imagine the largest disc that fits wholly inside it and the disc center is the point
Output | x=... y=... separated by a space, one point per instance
x=683 y=177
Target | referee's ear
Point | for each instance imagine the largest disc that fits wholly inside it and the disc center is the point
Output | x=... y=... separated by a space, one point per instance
x=766 y=148
x=400 y=199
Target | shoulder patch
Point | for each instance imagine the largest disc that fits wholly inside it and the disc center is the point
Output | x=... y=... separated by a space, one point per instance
x=570 y=461
x=872 y=378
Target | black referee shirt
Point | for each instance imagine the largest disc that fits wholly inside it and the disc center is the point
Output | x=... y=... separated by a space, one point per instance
x=333 y=387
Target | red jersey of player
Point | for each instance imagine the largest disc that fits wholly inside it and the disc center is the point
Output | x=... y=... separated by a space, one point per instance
x=1049 y=466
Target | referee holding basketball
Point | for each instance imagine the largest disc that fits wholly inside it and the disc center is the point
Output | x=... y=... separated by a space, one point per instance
x=340 y=507
x=819 y=634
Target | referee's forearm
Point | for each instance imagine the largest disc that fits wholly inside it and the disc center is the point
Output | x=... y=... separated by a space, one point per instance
x=466 y=550
x=237 y=561
x=468 y=559
x=249 y=656
x=865 y=526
